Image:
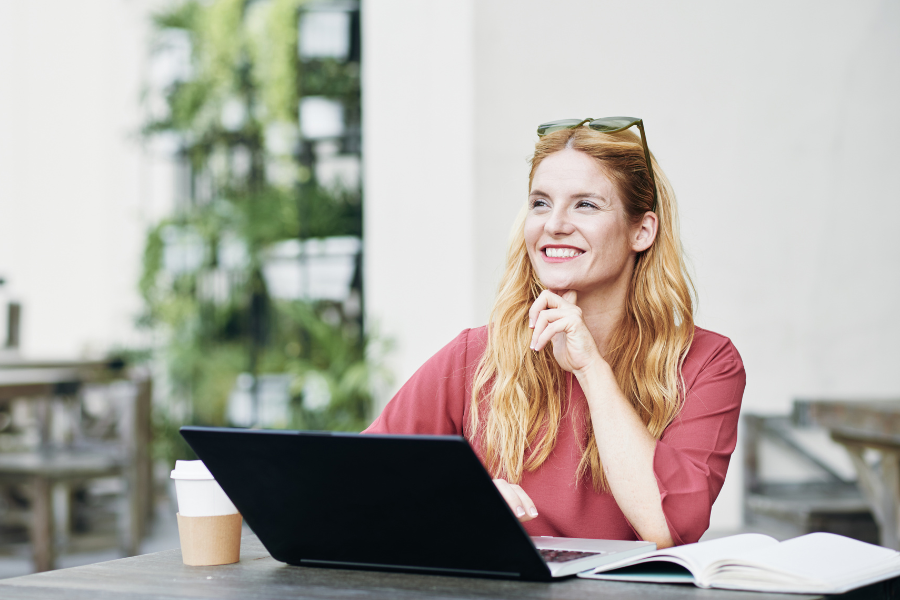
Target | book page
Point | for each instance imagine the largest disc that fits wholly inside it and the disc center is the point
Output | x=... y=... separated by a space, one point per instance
x=702 y=554
x=696 y=557
x=822 y=558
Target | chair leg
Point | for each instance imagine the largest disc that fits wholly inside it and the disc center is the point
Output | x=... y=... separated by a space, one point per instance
x=130 y=515
x=143 y=464
x=61 y=493
x=42 y=539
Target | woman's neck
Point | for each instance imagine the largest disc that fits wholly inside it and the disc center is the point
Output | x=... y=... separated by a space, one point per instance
x=602 y=311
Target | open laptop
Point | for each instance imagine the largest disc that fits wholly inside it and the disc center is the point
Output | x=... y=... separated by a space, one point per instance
x=421 y=504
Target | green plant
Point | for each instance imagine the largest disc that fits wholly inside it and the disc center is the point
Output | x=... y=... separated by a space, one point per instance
x=203 y=281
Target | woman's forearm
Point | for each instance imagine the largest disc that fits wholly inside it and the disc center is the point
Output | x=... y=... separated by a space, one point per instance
x=626 y=451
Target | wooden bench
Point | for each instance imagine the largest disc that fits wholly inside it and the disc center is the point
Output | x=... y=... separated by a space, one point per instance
x=831 y=503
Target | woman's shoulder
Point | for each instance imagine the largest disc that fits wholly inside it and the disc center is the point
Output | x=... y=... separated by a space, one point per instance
x=476 y=342
x=435 y=399
x=470 y=341
x=710 y=352
x=463 y=350
x=477 y=336
x=709 y=345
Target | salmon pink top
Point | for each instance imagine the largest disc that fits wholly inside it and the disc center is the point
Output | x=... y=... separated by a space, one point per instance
x=690 y=460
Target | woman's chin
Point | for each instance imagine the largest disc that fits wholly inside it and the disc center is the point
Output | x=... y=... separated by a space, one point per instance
x=561 y=285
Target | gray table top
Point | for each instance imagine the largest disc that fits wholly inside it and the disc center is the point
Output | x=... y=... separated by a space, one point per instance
x=258 y=576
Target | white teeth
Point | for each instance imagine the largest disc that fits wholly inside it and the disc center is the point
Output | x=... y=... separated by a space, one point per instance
x=562 y=252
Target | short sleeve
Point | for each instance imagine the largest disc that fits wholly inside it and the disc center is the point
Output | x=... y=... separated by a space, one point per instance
x=692 y=456
x=434 y=399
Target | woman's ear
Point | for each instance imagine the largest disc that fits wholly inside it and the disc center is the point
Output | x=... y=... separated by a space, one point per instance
x=646 y=232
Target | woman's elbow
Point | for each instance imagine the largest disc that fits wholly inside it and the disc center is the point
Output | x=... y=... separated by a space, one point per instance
x=663 y=540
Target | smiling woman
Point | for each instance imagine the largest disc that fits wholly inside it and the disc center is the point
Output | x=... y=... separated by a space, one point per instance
x=577 y=219
x=591 y=397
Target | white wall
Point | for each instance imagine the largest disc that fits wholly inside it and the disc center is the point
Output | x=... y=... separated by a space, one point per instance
x=76 y=189
x=775 y=121
x=420 y=196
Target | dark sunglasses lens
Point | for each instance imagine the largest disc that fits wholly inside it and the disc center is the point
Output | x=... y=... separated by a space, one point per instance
x=612 y=124
x=552 y=126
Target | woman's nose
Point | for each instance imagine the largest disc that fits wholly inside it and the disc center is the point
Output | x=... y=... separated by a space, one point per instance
x=559 y=222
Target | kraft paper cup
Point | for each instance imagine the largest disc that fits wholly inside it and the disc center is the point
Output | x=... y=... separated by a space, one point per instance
x=209 y=526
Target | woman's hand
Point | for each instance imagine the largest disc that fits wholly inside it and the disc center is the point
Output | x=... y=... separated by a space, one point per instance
x=518 y=500
x=625 y=446
x=555 y=319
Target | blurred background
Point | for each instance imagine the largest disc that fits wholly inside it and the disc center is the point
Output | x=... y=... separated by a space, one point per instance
x=272 y=212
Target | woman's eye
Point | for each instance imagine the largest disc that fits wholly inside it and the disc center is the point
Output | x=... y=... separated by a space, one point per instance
x=585 y=204
x=538 y=202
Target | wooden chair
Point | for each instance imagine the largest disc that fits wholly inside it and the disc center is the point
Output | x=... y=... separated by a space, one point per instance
x=66 y=460
x=828 y=502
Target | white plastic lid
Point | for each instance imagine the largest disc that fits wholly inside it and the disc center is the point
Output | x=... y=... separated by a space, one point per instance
x=191 y=469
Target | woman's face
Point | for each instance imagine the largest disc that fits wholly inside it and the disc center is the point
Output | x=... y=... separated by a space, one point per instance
x=576 y=231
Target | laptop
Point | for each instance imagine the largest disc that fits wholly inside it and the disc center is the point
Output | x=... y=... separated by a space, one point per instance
x=420 y=504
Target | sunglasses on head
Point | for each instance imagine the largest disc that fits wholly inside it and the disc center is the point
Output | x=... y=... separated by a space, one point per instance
x=605 y=125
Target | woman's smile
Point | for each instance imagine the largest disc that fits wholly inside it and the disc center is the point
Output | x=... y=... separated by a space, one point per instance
x=557 y=253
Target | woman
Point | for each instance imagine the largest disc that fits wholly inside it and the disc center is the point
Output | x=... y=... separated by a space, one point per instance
x=592 y=399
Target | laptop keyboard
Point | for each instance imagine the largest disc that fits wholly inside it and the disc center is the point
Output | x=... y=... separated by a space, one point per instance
x=558 y=556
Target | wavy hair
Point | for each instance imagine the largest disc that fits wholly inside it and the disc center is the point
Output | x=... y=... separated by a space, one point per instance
x=518 y=395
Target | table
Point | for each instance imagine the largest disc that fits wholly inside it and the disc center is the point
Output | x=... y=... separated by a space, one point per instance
x=39 y=383
x=870 y=432
x=260 y=577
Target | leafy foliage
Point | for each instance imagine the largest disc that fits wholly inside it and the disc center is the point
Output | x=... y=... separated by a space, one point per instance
x=203 y=283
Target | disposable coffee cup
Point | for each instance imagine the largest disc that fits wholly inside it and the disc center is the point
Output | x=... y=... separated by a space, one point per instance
x=209 y=526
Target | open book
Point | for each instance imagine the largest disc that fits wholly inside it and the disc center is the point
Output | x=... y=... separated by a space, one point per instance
x=817 y=563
